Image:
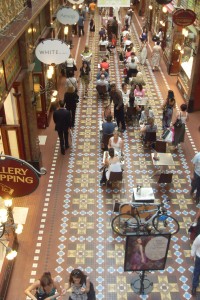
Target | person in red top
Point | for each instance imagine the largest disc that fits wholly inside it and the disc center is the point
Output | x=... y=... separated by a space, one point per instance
x=105 y=65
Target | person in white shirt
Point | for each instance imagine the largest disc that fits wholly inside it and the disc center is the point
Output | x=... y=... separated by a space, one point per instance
x=128 y=43
x=195 y=254
x=125 y=95
x=133 y=56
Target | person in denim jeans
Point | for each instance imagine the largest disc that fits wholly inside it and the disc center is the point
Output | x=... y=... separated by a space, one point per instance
x=195 y=254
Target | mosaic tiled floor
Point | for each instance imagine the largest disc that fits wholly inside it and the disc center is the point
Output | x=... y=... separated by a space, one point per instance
x=75 y=231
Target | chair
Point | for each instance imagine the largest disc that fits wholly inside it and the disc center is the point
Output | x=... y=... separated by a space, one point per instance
x=105 y=140
x=165 y=178
x=132 y=114
x=161 y=146
x=102 y=90
x=115 y=177
x=102 y=47
x=150 y=138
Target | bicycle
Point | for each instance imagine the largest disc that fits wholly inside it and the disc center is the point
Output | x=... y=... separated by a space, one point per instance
x=131 y=223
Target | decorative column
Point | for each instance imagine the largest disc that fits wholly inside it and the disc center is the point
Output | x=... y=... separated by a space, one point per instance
x=194 y=89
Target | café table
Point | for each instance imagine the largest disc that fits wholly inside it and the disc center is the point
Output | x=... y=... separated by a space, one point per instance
x=162 y=161
x=144 y=195
x=141 y=101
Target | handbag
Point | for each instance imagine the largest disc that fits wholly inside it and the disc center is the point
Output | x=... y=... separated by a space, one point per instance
x=168 y=136
x=178 y=122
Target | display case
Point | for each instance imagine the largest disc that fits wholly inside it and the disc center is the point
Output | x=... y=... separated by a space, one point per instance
x=187 y=58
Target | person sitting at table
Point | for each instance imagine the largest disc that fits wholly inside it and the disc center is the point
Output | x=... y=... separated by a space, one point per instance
x=106 y=113
x=102 y=82
x=102 y=71
x=103 y=42
x=111 y=164
x=108 y=126
x=102 y=32
x=131 y=69
x=150 y=127
x=133 y=56
x=139 y=91
x=116 y=142
x=128 y=43
x=146 y=114
x=105 y=65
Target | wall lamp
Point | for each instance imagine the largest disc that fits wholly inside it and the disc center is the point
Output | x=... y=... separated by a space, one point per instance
x=10 y=253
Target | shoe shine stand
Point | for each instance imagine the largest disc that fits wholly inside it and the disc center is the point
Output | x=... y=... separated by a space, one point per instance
x=141 y=285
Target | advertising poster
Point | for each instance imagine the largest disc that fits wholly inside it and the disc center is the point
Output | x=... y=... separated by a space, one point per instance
x=146 y=252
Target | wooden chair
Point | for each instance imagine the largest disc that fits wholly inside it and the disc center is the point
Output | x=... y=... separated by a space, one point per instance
x=161 y=146
x=115 y=177
x=150 y=138
x=102 y=91
x=105 y=140
x=165 y=178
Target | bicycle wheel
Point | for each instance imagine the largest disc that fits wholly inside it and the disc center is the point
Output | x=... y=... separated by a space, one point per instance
x=165 y=224
x=125 y=224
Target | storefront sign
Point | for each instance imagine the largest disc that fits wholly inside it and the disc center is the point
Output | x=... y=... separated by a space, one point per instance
x=67 y=16
x=17 y=178
x=113 y=3
x=52 y=51
x=184 y=17
x=163 y=1
x=76 y=1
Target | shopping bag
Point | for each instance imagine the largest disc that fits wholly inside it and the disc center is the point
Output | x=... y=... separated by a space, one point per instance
x=168 y=136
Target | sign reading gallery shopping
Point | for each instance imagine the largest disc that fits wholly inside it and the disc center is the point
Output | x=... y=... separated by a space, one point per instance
x=52 y=51
x=17 y=178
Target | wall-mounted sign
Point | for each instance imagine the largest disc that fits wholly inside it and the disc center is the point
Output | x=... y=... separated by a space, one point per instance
x=52 y=51
x=113 y=3
x=67 y=16
x=184 y=17
x=76 y=1
x=17 y=178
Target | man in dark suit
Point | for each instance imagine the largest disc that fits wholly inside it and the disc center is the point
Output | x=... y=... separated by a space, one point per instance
x=62 y=120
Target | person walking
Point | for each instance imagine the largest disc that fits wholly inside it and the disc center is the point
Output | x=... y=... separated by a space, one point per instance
x=70 y=97
x=62 y=120
x=116 y=97
x=168 y=109
x=85 y=77
x=81 y=25
x=92 y=26
x=46 y=288
x=195 y=254
x=156 y=56
x=86 y=55
x=179 y=132
x=143 y=53
x=195 y=183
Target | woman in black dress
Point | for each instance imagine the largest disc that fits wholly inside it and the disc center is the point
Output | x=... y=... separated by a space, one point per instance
x=92 y=26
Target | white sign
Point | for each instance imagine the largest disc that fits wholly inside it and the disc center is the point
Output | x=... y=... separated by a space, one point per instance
x=67 y=16
x=113 y=3
x=52 y=51
x=76 y=1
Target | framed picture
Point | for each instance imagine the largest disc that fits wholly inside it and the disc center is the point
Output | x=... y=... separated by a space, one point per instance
x=146 y=252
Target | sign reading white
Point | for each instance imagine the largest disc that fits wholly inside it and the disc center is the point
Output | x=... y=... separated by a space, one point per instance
x=52 y=51
x=67 y=16
x=113 y=3
x=76 y=1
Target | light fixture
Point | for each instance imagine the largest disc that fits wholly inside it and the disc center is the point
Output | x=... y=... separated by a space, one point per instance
x=74 y=6
x=80 y=6
x=18 y=228
x=49 y=74
x=3 y=215
x=54 y=93
x=66 y=30
x=182 y=51
x=150 y=7
x=164 y=9
x=10 y=253
x=185 y=32
x=8 y=202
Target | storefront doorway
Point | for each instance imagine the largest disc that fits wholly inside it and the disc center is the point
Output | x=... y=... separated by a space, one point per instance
x=11 y=142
